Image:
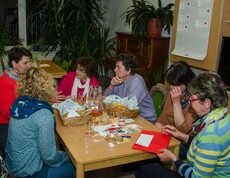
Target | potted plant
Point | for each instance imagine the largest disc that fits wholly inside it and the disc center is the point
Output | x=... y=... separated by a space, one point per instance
x=73 y=29
x=143 y=14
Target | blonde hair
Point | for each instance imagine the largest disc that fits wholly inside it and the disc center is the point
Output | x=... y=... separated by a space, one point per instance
x=35 y=82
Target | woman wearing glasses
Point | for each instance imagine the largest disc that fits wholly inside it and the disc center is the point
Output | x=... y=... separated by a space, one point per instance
x=208 y=154
x=76 y=84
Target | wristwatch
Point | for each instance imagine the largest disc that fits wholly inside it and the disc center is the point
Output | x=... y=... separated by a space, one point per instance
x=174 y=161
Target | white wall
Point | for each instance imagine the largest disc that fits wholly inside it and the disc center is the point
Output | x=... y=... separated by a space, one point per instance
x=113 y=18
x=117 y=7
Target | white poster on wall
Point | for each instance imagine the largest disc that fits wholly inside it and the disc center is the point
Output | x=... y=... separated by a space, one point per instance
x=193 y=28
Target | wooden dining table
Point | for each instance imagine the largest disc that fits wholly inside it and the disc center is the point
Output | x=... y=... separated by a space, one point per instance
x=53 y=69
x=93 y=153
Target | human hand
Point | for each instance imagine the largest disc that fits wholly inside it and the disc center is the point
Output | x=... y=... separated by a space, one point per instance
x=60 y=97
x=176 y=93
x=170 y=130
x=116 y=81
x=166 y=156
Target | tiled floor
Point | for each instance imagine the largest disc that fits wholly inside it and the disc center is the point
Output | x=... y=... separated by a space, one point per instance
x=113 y=172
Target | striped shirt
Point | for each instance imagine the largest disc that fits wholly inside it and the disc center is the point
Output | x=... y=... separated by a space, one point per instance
x=209 y=152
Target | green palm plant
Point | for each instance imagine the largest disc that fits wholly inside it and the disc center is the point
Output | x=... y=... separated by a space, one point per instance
x=74 y=28
x=6 y=39
x=138 y=15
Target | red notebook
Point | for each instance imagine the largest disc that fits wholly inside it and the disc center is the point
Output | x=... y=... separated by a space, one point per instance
x=158 y=142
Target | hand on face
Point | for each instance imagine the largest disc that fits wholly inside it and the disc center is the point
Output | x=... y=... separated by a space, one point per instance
x=116 y=81
x=176 y=93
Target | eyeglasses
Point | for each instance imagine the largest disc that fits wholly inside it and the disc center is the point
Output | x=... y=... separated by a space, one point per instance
x=191 y=99
x=81 y=71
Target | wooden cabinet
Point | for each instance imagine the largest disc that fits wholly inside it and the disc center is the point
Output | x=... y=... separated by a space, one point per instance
x=151 y=52
x=218 y=25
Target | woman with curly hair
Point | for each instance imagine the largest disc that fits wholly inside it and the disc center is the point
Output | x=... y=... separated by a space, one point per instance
x=30 y=148
x=76 y=84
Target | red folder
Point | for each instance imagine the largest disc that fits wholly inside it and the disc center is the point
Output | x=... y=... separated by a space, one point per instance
x=158 y=142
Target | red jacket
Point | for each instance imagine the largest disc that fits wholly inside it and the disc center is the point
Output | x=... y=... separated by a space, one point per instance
x=7 y=97
x=66 y=83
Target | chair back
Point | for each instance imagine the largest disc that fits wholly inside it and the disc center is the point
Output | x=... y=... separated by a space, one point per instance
x=158 y=94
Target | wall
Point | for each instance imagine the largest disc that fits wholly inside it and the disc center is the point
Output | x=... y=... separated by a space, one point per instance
x=113 y=18
x=117 y=7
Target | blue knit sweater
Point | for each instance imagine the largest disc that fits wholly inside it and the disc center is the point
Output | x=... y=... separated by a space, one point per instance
x=31 y=143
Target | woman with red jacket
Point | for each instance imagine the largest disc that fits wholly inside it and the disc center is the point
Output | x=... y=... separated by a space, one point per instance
x=19 y=61
x=76 y=84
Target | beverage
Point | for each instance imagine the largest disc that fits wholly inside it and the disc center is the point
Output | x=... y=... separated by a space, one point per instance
x=89 y=126
x=96 y=112
x=112 y=137
x=121 y=118
x=121 y=122
x=88 y=133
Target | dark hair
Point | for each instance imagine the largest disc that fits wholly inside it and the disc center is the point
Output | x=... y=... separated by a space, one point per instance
x=129 y=61
x=179 y=73
x=88 y=62
x=16 y=53
x=209 y=85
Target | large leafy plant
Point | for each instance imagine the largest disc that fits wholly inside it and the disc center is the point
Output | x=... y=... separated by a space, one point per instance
x=6 y=39
x=75 y=28
x=138 y=15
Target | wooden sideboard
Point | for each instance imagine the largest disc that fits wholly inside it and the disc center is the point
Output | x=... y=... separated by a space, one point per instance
x=151 y=52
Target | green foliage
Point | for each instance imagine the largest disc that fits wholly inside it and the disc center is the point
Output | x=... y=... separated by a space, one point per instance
x=6 y=39
x=138 y=15
x=75 y=28
x=159 y=76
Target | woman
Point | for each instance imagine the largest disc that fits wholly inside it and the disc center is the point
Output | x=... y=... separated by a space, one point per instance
x=31 y=149
x=208 y=154
x=76 y=84
x=177 y=111
x=18 y=62
x=127 y=83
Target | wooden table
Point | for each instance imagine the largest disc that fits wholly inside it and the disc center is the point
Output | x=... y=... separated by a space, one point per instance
x=50 y=67
x=99 y=155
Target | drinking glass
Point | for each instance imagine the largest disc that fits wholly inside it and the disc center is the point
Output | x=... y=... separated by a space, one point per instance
x=121 y=117
x=89 y=126
x=112 y=137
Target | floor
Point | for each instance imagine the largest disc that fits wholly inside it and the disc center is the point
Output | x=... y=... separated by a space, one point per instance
x=113 y=172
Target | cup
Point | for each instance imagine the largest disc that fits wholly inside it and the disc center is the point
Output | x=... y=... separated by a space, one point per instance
x=112 y=137
x=121 y=117
x=89 y=126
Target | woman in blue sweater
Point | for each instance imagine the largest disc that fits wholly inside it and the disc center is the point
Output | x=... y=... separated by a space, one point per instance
x=31 y=149
x=209 y=153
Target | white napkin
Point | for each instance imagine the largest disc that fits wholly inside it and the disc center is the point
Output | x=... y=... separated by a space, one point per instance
x=144 y=140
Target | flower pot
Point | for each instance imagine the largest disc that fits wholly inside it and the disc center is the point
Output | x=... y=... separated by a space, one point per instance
x=154 y=28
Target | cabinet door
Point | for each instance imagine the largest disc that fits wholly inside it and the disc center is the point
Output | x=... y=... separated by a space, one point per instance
x=121 y=44
x=140 y=47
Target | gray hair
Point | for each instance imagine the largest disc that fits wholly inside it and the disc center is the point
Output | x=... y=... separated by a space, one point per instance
x=209 y=85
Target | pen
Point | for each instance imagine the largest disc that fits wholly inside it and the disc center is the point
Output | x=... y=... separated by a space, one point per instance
x=126 y=136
